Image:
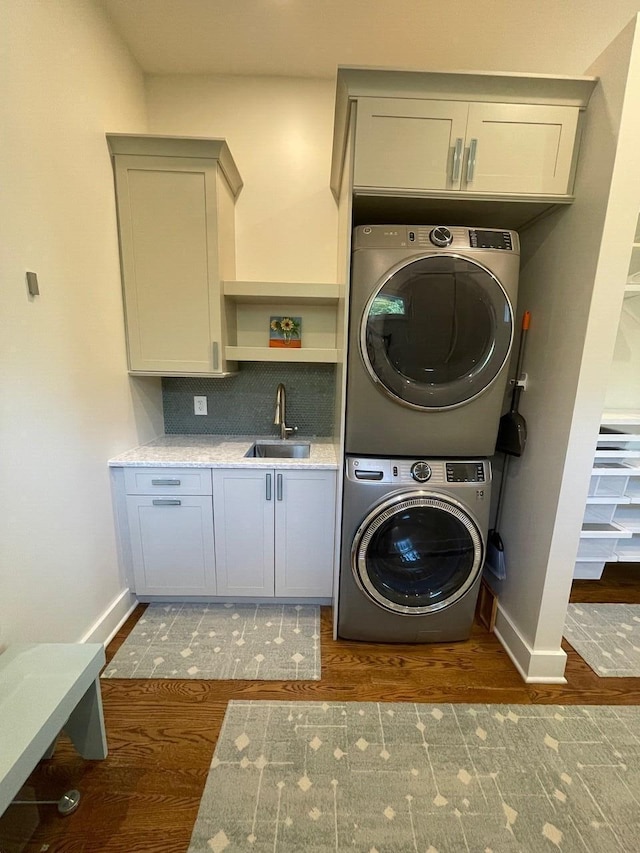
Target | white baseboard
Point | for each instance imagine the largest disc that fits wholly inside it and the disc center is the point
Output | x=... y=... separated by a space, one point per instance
x=109 y=623
x=535 y=667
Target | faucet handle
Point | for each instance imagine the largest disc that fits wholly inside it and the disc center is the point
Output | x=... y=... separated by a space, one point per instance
x=290 y=430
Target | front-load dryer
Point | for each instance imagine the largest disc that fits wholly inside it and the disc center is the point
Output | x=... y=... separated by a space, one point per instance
x=413 y=547
x=431 y=326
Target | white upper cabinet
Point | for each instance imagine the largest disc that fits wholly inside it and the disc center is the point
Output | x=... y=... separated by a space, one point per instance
x=175 y=200
x=520 y=148
x=502 y=137
x=408 y=144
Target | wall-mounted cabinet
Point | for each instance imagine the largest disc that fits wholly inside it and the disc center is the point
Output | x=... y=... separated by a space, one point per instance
x=175 y=200
x=405 y=144
x=458 y=137
x=251 y=305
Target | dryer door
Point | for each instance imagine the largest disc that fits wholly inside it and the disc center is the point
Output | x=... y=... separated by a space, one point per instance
x=417 y=553
x=436 y=332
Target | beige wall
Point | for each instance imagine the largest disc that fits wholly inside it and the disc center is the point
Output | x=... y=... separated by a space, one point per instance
x=574 y=268
x=66 y=404
x=280 y=132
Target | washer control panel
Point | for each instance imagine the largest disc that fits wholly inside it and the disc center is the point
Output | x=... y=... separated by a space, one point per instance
x=421 y=471
x=490 y=239
x=436 y=472
x=465 y=472
x=441 y=236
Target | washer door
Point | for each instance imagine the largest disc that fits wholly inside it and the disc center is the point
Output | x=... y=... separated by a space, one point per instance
x=417 y=553
x=436 y=332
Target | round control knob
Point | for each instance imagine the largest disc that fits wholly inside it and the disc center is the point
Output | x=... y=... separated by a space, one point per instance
x=441 y=236
x=420 y=472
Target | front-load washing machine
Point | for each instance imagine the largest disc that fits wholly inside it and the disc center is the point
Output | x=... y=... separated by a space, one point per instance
x=431 y=326
x=413 y=546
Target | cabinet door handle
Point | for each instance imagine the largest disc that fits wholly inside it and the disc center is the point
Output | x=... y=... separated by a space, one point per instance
x=167 y=502
x=471 y=165
x=165 y=482
x=457 y=160
x=268 y=487
x=279 y=486
x=214 y=354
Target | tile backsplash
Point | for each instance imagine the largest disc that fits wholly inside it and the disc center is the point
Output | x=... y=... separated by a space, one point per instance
x=245 y=404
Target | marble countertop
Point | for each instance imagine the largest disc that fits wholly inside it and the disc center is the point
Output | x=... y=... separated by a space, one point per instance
x=221 y=451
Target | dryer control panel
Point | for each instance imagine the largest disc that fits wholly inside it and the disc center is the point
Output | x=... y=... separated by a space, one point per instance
x=418 y=472
x=435 y=238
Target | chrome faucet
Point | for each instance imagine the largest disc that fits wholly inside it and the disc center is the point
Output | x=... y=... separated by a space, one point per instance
x=281 y=413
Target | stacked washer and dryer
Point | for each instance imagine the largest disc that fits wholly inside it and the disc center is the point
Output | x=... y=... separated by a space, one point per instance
x=431 y=326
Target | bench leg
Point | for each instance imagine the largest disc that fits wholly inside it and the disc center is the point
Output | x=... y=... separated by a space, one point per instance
x=85 y=726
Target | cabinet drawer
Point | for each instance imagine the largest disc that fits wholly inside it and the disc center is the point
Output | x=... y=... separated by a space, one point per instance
x=167 y=481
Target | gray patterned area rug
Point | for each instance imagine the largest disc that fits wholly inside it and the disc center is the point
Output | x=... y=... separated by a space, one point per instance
x=413 y=778
x=606 y=636
x=220 y=641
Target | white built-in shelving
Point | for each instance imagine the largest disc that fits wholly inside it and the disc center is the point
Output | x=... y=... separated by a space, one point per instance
x=611 y=526
x=251 y=304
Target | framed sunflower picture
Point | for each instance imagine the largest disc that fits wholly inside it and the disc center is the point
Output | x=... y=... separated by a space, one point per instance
x=285 y=332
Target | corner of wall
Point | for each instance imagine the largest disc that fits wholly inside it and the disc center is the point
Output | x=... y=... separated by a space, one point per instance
x=542 y=666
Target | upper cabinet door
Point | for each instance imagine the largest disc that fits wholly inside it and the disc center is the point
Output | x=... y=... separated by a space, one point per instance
x=461 y=148
x=402 y=143
x=520 y=148
x=164 y=213
x=175 y=201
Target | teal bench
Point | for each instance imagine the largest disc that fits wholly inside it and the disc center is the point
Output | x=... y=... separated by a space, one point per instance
x=47 y=688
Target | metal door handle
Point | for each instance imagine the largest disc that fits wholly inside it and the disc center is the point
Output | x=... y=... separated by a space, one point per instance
x=268 y=487
x=279 y=486
x=471 y=165
x=214 y=354
x=457 y=160
x=167 y=502
x=165 y=482
x=369 y=475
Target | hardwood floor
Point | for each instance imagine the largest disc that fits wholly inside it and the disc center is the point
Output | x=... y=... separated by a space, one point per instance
x=145 y=795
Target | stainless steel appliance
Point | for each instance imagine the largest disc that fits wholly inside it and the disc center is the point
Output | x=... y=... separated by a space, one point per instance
x=430 y=335
x=413 y=546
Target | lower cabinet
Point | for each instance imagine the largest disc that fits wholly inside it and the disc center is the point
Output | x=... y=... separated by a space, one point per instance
x=170 y=516
x=172 y=544
x=274 y=532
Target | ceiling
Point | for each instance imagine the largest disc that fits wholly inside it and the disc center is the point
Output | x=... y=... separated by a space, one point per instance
x=310 y=38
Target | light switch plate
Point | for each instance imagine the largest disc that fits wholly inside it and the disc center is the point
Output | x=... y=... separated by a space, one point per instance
x=32 y=284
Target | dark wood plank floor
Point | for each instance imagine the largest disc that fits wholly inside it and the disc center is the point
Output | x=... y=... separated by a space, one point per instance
x=162 y=734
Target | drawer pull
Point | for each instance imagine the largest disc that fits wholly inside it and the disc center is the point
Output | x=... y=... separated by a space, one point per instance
x=166 y=502
x=165 y=482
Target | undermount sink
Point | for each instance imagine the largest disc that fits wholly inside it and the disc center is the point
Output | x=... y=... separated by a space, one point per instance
x=277 y=450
